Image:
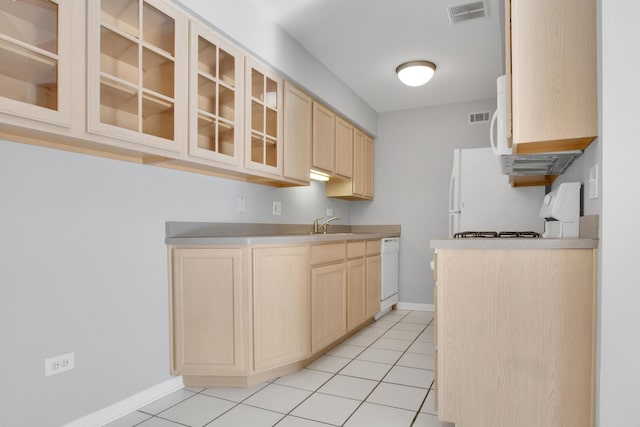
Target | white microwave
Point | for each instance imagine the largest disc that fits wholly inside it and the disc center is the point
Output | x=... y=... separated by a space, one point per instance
x=498 y=136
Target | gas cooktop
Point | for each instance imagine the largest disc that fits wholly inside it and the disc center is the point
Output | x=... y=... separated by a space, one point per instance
x=497 y=234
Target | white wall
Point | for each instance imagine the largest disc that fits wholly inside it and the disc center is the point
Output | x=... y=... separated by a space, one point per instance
x=413 y=159
x=619 y=375
x=247 y=25
x=84 y=269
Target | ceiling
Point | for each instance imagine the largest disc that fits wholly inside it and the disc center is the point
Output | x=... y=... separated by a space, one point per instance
x=363 y=41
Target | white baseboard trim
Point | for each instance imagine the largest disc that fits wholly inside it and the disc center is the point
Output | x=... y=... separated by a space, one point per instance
x=128 y=405
x=414 y=306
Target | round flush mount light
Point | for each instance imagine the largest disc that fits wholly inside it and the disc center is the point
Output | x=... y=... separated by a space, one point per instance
x=415 y=73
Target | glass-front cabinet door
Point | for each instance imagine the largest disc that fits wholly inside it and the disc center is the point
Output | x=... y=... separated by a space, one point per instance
x=264 y=119
x=138 y=72
x=35 y=59
x=216 y=102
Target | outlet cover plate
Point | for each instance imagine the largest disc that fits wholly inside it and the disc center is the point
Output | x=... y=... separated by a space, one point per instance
x=58 y=364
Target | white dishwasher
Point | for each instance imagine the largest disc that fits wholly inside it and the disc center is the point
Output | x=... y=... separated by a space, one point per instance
x=390 y=250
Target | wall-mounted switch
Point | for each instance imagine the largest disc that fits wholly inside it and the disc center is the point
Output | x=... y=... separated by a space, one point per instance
x=277 y=208
x=241 y=205
x=594 y=183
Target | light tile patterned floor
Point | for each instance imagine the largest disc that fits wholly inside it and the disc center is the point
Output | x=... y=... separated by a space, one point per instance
x=382 y=376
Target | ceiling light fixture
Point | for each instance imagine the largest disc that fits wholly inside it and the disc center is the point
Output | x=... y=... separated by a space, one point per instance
x=416 y=73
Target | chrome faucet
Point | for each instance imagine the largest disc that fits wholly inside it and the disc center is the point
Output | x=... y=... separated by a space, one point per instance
x=317 y=225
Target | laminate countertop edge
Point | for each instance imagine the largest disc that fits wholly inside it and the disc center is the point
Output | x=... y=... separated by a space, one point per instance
x=212 y=234
x=515 y=243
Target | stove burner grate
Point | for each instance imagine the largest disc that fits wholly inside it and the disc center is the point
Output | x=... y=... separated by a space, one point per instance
x=495 y=234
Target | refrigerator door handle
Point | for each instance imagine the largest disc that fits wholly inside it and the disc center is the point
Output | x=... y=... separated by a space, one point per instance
x=492 y=137
x=452 y=198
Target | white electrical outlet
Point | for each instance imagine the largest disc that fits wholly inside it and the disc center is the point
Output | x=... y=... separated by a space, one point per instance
x=277 y=208
x=59 y=364
x=329 y=212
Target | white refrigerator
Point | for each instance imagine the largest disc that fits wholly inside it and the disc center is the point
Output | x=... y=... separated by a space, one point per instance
x=481 y=198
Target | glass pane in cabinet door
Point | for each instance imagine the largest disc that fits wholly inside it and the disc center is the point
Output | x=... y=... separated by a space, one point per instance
x=118 y=105
x=118 y=56
x=33 y=22
x=272 y=123
x=122 y=15
x=226 y=138
x=28 y=77
x=158 y=73
x=257 y=116
x=271 y=98
x=157 y=117
x=226 y=106
x=207 y=133
x=206 y=95
x=257 y=85
x=158 y=29
x=227 y=68
x=207 y=57
x=257 y=148
x=271 y=152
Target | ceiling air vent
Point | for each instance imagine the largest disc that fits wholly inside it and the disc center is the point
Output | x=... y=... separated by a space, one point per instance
x=465 y=12
x=483 y=117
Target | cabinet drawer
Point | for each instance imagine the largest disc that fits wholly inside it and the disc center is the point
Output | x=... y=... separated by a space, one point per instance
x=373 y=247
x=321 y=254
x=356 y=249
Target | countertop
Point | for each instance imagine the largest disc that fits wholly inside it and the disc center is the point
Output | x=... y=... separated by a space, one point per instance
x=515 y=243
x=211 y=234
x=589 y=233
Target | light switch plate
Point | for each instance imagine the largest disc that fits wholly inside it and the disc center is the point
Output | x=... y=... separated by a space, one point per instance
x=594 y=182
x=277 y=208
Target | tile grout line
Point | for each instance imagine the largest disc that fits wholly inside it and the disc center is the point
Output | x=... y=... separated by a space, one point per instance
x=337 y=373
x=392 y=366
x=316 y=390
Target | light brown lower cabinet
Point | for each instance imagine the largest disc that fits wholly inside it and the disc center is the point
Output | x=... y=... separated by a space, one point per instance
x=515 y=337
x=210 y=312
x=373 y=263
x=328 y=304
x=247 y=314
x=356 y=293
x=281 y=306
x=356 y=284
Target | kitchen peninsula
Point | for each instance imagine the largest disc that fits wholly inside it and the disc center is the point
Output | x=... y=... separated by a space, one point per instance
x=251 y=302
x=515 y=331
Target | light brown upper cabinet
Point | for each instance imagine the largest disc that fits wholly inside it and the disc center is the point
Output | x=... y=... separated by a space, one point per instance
x=263 y=107
x=332 y=143
x=344 y=148
x=360 y=186
x=35 y=55
x=551 y=68
x=324 y=138
x=137 y=74
x=216 y=98
x=297 y=134
x=368 y=167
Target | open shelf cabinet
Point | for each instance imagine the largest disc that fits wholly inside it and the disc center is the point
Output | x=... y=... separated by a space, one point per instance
x=137 y=72
x=264 y=119
x=216 y=103
x=35 y=53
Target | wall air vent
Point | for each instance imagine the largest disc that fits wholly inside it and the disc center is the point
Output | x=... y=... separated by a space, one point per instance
x=483 y=117
x=467 y=11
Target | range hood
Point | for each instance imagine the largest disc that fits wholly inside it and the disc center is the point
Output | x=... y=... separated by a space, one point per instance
x=538 y=164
